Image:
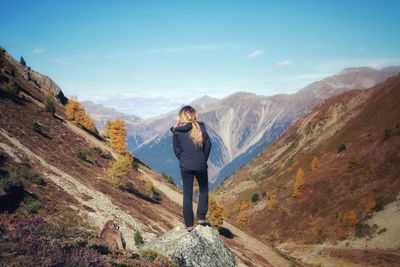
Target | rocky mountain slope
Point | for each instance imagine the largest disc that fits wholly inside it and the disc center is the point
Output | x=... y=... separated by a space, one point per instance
x=242 y=124
x=322 y=190
x=54 y=198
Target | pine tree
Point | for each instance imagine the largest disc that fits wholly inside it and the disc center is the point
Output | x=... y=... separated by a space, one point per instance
x=22 y=62
x=298 y=183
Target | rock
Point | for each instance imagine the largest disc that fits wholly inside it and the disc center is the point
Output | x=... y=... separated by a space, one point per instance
x=201 y=247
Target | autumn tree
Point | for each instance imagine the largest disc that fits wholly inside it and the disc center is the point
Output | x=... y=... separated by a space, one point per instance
x=271 y=202
x=243 y=205
x=315 y=163
x=298 y=183
x=242 y=218
x=76 y=113
x=215 y=213
x=117 y=132
x=119 y=171
x=371 y=204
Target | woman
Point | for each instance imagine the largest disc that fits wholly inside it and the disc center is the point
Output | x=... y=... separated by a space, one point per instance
x=192 y=147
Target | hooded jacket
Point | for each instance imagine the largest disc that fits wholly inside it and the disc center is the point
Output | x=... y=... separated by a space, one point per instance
x=190 y=157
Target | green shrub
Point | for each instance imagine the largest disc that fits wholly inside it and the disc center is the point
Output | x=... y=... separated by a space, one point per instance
x=82 y=155
x=138 y=238
x=103 y=153
x=380 y=204
x=168 y=178
x=342 y=147
x=37 y=127
x=126 y=186
x=135 y=165
x=49 y=105
x=11 y=88
x=27 y=173
x=33 y=206
x=9 y=182
x=353 y=161
x=255 y=197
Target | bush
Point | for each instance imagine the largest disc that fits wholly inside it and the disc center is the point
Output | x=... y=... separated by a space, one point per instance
x=138 y=238
x=103 y=153
x=126 y=186
x=27 y=173
x=82 y=155
x=353 y=161
x=135 y=165
x=37 y=127
x=8 y=182
x=380 y=203
x=49 y=105
x=11 y=88
x=32 y=206
x=255 y=197
x=168 y=178
x=342 y=147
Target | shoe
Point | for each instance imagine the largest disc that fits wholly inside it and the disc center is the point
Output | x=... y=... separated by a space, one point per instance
x=203 y=223
x=189 y=228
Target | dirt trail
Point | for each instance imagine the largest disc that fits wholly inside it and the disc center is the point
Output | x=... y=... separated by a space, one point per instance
x=248 y=242
x=104 y=208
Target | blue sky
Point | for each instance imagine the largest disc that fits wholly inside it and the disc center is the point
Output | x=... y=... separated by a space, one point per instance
x=149 y=57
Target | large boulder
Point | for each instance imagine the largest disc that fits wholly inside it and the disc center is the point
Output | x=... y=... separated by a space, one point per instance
x=201 y=247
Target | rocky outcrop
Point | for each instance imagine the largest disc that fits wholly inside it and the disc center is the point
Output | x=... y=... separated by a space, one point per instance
x=43 y=82
x=200 y=247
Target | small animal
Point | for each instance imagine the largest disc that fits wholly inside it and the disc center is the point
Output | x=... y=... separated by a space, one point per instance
x=112 y=235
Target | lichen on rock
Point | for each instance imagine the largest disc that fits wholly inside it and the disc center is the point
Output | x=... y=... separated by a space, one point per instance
x=200 y=247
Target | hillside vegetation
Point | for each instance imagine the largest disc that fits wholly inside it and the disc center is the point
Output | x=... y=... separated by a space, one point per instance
x=327 y=178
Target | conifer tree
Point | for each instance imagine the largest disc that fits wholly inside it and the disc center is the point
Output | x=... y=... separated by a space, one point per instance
x=298 y=183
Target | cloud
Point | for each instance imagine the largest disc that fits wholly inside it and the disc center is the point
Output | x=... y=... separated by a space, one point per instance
x=255 y=54
x=284 y=63
x=38 y=50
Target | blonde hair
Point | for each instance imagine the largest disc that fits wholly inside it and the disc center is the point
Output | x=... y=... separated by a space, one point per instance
x=187 y=114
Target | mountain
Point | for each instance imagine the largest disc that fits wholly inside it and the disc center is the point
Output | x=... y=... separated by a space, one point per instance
x=55 y=198
x=101 y=114
x=242 y=124
x=342 y=203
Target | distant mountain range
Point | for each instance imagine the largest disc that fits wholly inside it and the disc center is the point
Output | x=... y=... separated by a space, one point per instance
x=240 y=125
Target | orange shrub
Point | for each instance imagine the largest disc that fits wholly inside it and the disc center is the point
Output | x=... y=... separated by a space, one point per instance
x=315 y=163
x=271 y=202
x=242 y=218
x=216 y=212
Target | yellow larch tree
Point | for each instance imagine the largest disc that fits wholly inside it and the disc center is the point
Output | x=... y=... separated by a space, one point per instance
x=242 y=218
x=119 y=171
x=117 y=132
x=271 y=203
x=216 y=212
x=315 y=163
x=298 y=185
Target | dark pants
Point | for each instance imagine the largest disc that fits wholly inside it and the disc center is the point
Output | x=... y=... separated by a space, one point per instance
x=202 y=206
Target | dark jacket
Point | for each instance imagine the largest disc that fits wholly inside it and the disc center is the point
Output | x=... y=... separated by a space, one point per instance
x=190 y=157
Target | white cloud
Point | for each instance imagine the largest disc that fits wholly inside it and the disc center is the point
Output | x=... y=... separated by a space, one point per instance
x=38 y=50
x=255 y=54
x=284 y=63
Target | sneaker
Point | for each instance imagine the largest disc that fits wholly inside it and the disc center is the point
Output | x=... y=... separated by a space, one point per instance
x=203 y=223
x=189 y=228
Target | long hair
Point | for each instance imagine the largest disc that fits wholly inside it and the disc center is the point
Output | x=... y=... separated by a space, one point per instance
x=187 y=114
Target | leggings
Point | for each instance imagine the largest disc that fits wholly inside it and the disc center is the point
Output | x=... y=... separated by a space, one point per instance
x=202 y=206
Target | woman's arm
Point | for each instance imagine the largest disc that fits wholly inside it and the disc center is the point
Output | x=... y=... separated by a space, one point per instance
x=207 y=144
x=176 y=146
